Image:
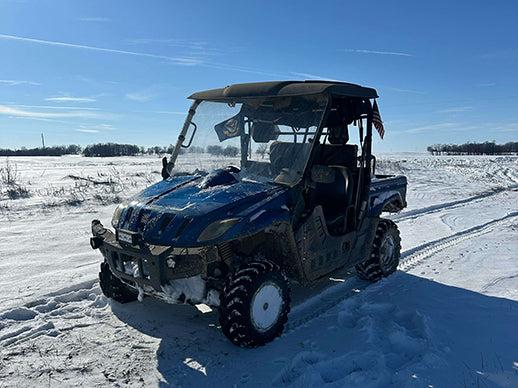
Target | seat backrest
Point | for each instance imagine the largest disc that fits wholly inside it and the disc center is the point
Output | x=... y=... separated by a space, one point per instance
x=334 y=197
x=339 y=155
x=284 y=155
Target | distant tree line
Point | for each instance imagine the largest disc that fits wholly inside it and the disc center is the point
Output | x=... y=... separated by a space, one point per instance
x=218 y=150
x=486 y=148
x=47 y=151
x=111 y=149
x=114 y=149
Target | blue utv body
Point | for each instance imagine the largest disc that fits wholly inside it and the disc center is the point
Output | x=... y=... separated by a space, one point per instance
x=288 y=198
x=178 y=209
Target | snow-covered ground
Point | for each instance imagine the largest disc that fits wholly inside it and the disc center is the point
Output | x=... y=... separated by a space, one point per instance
x=447 y=318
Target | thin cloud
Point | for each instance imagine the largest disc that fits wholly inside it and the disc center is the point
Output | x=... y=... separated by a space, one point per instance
x=457 y=109
x=377 y=52
x=511 y=127
x=38 y=119
x=407 y=91
x=430 y=127
x=313 y=76
x=222 y=66
x=100 y=127
x=70 y=99
x=187 y=61
x=10 y=111
x=96 y=19
x=13 y=82
x=180 y=61
x=105 y=126
x=56 y=107
x=195 y=49
x=95 y=128
x=171 y=42
x=165 y=112
x=140 y=97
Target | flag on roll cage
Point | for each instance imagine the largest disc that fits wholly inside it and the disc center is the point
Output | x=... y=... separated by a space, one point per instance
x=376 y=120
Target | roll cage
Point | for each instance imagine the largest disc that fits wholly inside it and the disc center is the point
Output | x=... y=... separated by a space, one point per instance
x=345 y=104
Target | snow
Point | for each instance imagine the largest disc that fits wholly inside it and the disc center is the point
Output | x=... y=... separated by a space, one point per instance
x=192 y=288
x=446 y=318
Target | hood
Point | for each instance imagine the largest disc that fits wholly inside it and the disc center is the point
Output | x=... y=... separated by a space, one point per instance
x=178 y=209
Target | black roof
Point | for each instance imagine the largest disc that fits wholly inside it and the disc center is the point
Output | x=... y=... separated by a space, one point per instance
x=284 y=89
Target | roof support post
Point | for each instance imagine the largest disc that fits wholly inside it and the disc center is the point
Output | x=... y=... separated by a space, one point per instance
x=169 y=165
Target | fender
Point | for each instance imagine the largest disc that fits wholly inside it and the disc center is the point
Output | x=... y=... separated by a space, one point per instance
x=264 y=218
x=389 y=201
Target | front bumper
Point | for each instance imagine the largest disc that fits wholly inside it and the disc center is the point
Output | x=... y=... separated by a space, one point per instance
x=151 y=267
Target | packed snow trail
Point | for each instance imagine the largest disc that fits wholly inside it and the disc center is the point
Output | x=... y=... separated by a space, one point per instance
x=444 y=206
x=417 y=255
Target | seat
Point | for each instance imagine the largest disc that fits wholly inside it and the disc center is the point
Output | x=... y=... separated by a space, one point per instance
x=336 y=199
x=338 y=154
x=288 y=155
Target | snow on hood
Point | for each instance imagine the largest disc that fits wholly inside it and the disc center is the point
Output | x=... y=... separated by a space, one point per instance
x=193 y=199
x=163 y=211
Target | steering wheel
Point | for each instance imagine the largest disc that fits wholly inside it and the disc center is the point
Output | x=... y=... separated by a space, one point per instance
x=232 y=169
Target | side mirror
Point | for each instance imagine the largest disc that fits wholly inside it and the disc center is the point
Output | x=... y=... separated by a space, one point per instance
x=166 y=173
x=322 y=174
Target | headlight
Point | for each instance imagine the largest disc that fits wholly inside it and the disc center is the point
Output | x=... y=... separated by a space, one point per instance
x=217 y=229
x=117 y=214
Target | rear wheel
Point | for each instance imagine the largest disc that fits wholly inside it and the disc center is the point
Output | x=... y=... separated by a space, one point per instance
x=385 y=253
x=113 y=287
x=255 y=304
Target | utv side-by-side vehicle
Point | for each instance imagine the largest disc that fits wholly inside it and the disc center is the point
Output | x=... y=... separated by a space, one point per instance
x=263 y=188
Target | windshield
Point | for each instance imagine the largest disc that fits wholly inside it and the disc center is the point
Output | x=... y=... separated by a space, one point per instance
x=268 y=139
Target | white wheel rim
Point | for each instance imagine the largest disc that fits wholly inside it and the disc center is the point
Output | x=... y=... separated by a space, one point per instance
x=266 y=306
x=387 y=252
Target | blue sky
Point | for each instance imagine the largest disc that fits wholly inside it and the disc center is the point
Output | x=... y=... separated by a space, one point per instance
x=85 y=72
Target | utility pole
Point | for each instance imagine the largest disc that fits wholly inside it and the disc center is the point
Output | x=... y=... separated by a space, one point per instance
x=42 y=140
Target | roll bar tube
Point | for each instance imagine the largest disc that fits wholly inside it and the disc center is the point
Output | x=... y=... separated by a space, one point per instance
x=168 y=165
x=364 y=177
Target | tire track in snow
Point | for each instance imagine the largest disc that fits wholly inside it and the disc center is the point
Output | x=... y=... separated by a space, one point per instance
x=412 y=214
x=499 y=280
x=322 y=303
x=412 y=257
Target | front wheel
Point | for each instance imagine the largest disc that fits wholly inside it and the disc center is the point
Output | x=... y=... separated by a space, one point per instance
x=385 y=253
x=255 y=304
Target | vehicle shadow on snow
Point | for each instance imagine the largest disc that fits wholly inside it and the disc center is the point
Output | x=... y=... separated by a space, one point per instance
x=193 y=349
x=410 y=323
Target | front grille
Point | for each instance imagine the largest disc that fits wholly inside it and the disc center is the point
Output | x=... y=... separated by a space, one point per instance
x=180 y=266
x=143 y=219
x=128 y=215
x=165 y=223
x=131 y=266
x=183 y=226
